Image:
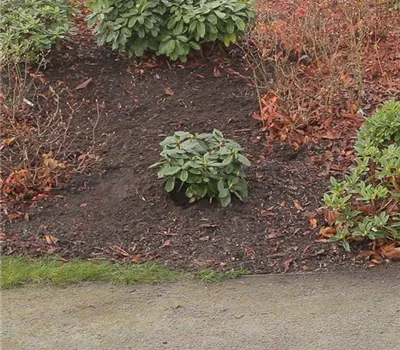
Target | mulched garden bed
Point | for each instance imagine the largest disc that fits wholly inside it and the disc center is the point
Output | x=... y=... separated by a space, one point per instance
x=120 y=210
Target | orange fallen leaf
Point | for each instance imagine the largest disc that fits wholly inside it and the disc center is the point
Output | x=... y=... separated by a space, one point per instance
x=391 y=252
x=327 y=232
x=331 y=216
x=313 y=222
x=365 y=254
x=8 y=141
x=137 y=259
x=13 y=216
x=298 y=205
x=273 y=234
x=50 y=239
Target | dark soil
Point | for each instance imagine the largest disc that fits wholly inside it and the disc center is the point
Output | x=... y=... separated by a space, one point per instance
x=120 y=209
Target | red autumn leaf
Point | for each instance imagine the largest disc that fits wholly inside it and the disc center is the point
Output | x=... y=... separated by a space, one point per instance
x=267 y=213
x=287 y=263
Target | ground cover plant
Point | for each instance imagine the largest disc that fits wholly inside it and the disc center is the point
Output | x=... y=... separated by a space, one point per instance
x=169 y=27
x=32 y=28
x=366 y=204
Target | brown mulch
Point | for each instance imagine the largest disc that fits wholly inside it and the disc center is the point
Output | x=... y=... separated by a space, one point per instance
x=120 y=211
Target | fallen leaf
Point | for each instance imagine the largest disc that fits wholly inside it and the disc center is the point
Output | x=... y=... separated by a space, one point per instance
x=13 y=216
x=267 y=213
x=167 y=243
x=119 y=251
x=273 y=234
x=298 y=205
x=83 y=205
x=287 y=264
x=249 y=251
x=391 y=252
x=217 y=73
x=327 y=232
x=169 y=91
x=8 y=141
x=84 y=84
x=365 y=254
x=313 y=222
x=50 y=239
x=137 y=259
x=331 y=216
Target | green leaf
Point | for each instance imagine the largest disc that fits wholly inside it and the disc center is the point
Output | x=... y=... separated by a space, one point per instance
x=201 y=29
x=225 y=201
x=346 y=245
x=242 y=159
x=224 y=193
x=240 y=24
x=170 y=184
x=230 y=26
x=220 y=14
x=227 y=161
x=132 y=21
x=168 y=170
x=194 y=45
x=229 y=38
x=212 y=18
x=178 y=28
x=184 y=175
x=221 y=186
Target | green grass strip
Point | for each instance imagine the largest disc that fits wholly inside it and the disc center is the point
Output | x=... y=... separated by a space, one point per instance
x=20 y=270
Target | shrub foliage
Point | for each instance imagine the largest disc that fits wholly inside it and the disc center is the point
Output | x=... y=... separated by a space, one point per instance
x=367 y=202
x=204 y=165
x=170 y=27
x=30 y=28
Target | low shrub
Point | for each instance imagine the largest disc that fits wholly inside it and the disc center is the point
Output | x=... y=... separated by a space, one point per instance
x=367 y=203
x=203 y=165
x=31 y=28
x=169 y=27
